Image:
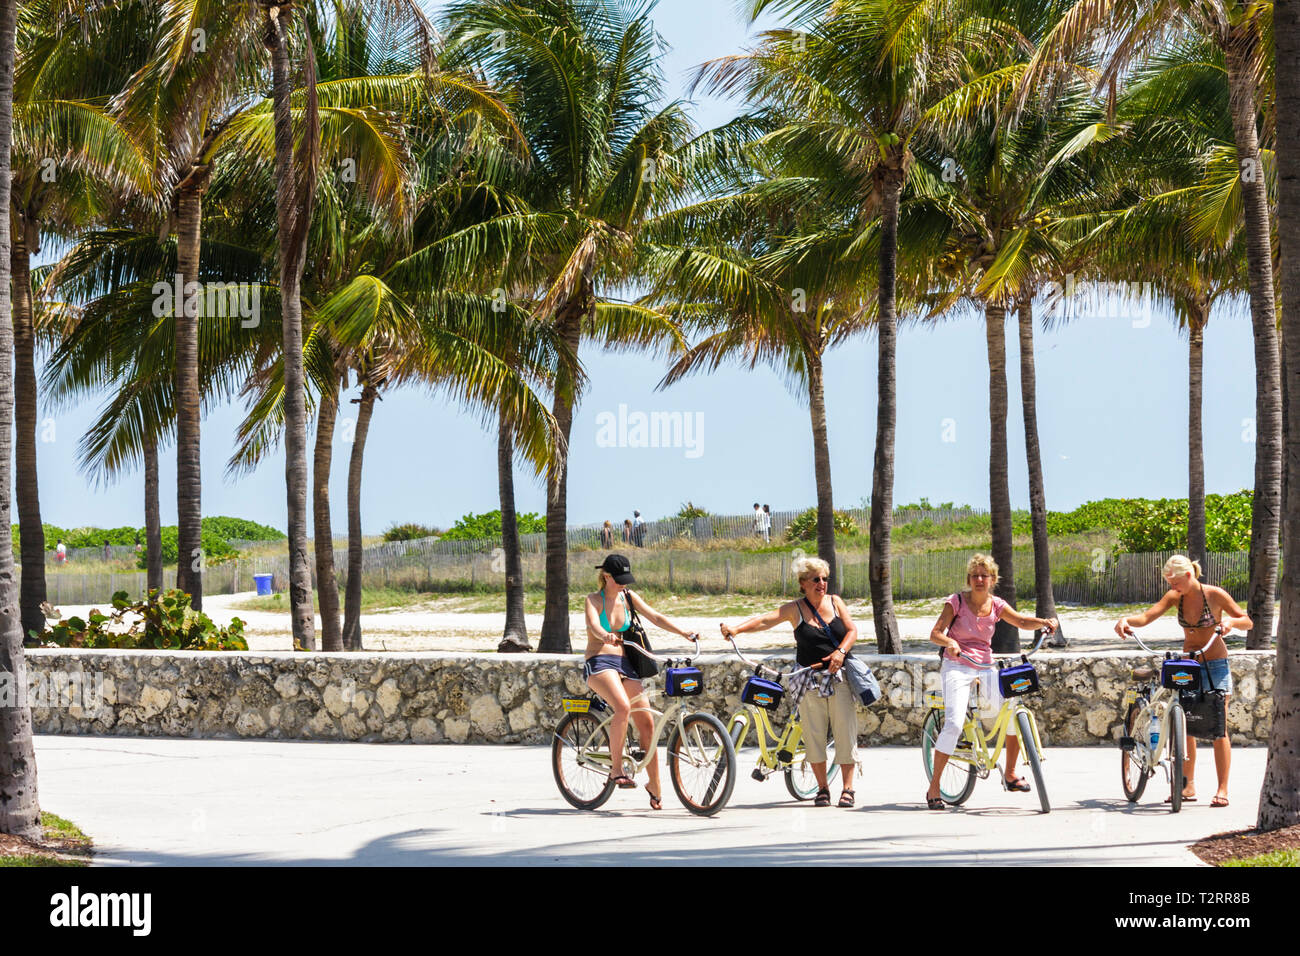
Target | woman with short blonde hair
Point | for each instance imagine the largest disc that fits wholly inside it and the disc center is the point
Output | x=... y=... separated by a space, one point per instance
x=1183 y=577
x=824 y=634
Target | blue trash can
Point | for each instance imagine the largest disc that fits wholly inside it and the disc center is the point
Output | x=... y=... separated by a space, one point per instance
x=263 y=582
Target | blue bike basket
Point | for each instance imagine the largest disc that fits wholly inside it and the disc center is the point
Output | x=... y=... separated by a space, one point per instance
x=762 y=693
x=1018 y=680
x=1179 y=673
x=683 y=682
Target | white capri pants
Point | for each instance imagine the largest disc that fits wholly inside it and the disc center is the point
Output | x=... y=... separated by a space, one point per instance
x=957 y=680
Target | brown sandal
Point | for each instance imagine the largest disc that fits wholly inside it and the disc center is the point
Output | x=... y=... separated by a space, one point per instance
x=623 y=782
x=656 y=803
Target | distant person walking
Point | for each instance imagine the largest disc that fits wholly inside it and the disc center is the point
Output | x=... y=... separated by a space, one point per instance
x=607 y=536
x=61 y=554
x=627 y=530
x=638 y=529
x=758 y=519
x=137 y=542
x=108 y=551
x=765 y=524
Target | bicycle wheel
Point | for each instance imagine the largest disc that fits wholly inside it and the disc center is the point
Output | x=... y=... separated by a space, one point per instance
x=702 y=763
x=1177 y=743
x=583 y=785
x=958 y=778
x=1030 y=748
x=1133 y=764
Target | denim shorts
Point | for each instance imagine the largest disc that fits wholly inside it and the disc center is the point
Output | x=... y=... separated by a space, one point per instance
x=1217 y=674
x=609 y=662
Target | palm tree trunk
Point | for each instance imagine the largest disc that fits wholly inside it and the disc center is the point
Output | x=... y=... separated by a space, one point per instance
x=20 y=812
x=290 y=206
x=152 y=518
x=352 y=597
x=1006 y=639
x=1044 y=599
x=555 y=619
x=30 y=531
x=1195 y=433
x=882 y=470
x=822 y=469
x=1266 y=511
x=189 y=531
x=515 y=636
x=1279 y=801
x=327 y=585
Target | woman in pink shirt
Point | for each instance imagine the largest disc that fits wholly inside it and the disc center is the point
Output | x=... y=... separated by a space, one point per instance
x=970 y=618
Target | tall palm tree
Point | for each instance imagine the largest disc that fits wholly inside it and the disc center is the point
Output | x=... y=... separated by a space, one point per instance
x=602 y=153
x=20 y=812
x=1279 y=804
x=69 y=157
x=865 y=79
x=1240 y=28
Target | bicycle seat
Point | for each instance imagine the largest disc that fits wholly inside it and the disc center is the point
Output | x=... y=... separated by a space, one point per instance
x=1143 y=673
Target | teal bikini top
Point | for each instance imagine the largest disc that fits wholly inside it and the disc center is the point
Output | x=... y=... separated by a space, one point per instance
x=604 y=621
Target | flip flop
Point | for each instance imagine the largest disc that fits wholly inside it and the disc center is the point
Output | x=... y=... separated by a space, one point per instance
x=656 y=802
x=934 y=803
x=623 y=782
x=1017 y=784
x=1219 y=801
x=1185 y=800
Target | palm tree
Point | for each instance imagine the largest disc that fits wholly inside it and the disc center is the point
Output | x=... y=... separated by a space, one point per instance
x=1279 y=804
x=58 y=74
x=866 y=80
x=602 y=157
x=20 y=812
x=755 y=271
x=1240 y=29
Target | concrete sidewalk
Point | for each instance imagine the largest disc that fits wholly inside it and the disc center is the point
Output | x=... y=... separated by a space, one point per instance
x=152 y=801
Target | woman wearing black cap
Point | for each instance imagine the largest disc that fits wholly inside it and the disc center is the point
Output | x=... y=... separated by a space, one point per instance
x=608 y=670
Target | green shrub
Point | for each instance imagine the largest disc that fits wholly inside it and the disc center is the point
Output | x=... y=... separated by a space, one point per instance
x=238 y=529
x=163 y=621
x=488 y=525
x=690 y=511
x=216 y=550
x=409 y=532
x=804 y=527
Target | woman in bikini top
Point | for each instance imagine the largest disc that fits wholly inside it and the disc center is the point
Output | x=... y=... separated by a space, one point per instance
x=1183 y=577
x=609 y=671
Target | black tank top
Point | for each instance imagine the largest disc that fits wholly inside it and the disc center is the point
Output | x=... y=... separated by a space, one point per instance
x=811 y=642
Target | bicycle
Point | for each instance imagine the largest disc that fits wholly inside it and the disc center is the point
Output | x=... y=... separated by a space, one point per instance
x=1154 y=719
x=787 y=753
x=701 y=759
x=972 y=757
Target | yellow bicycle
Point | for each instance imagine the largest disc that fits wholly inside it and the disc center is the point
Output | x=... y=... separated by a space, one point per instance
x=973 y=757
x=701 y=760
x=786 y=752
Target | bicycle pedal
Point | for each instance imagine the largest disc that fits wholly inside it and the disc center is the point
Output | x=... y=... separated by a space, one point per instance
x=1128 y=744
x=784 y=756
x=759 y=776
x=637 y=754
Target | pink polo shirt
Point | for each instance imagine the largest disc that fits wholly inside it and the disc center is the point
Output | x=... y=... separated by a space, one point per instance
x=974 y=635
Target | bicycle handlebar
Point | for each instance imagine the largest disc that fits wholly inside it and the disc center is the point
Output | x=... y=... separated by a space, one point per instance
x=1030 y=653
x=1218 y=630
x=695 y=639
x=775 y=672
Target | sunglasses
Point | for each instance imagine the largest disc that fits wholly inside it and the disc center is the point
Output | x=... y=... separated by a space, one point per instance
x=816 y=580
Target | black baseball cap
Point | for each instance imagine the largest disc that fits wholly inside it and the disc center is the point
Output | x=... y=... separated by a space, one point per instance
x=619 y=568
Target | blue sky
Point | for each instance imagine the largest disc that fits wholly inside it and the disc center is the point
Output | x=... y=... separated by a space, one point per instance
x=1112 y=413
